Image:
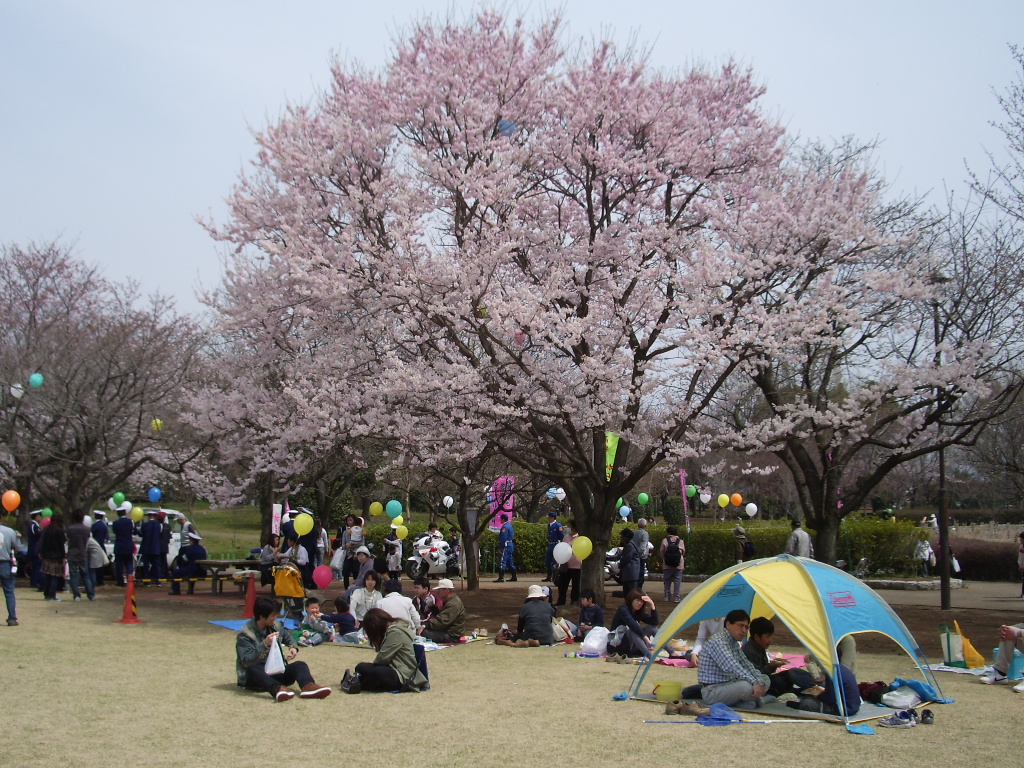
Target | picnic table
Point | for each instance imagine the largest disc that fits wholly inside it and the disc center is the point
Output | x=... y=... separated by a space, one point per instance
x=217 y=569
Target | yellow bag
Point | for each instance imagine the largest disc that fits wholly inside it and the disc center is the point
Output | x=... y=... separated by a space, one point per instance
x=972 y=658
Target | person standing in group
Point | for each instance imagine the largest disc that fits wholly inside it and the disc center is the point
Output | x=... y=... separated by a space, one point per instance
x=349 y=566
x=78 y=556
x=100 y=533
x=744 y=547
x=629 y=562
x=152 y=532
x=8 y=546
x=673 y=561
x=53 y=550
x=642 y=542
x=556 y=532
x=568 y=575
x=124 y=544
x=507 y=548
x=165 y=545
x=799 y=543
x=35 y=562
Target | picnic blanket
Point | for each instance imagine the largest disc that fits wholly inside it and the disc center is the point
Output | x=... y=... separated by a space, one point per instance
x=237 y=624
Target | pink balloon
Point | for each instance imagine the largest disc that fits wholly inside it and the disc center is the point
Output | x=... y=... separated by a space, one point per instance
x=322 y=576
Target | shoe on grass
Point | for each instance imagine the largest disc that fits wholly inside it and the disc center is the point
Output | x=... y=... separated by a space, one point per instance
x=314 y=691
x=1019 y=687
x=905 y=719
x=995 y=678
x=694 y=708
x=283 y=694
x=927 y=717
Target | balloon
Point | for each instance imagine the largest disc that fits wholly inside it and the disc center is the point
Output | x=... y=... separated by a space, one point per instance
x=303 y=524
x=550 y=493
x=155 y=495
x=157 y=424
x=736 y=500
x=111 y=504
x=401 y=531
x=397 y=521
x=562 y=552
x=506 y=127
x=705 y=498
x=723 y=501
x=642 y=499
x=17 y=391
x=582 y=547
x=560 y=494
x=137 y=513
x=35 y=380
x=624 y=511
x=691 y=491
x=751 y=510
x=376 y=508
x=394 y=508
x=620 y=502
x=448 y=501
x=47 y=512
x=118 y=498
x=46 y=522
x=322 y=576
x=12 y=500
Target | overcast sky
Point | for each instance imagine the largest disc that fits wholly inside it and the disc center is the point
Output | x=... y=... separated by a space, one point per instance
x=121 y=122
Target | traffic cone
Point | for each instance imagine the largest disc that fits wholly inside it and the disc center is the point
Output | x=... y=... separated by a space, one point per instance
x=250 y=598
x=130 y=614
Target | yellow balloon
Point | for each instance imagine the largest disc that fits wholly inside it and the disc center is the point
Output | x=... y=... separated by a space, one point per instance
x=157 y=424
x=137 y=513
x=723 y=501
x=396 y=521
x=376 y=508
x=401 y=531
x=582 y=547
x=303 y=524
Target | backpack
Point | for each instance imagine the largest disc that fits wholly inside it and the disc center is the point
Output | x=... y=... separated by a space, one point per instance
x=673 y=555
x=748 y=550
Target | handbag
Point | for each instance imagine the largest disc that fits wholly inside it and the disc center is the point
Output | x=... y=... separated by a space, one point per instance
x=952 y=647
x=275 y=660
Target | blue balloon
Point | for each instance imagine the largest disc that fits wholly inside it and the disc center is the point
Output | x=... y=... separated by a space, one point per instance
x=506 y=127
x=35 y=380
x=155 y=495
x=393 y=508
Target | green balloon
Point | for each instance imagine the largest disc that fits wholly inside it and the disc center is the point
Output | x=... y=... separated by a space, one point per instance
x=118 y=499
x=46 y=512
x=691 y=491
x=618 y=503
x=642 y=499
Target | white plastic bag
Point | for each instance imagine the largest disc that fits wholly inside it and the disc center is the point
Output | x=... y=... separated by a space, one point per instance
x=275 y=660
x=903 y=697
x=596 y=641
x=338 y=560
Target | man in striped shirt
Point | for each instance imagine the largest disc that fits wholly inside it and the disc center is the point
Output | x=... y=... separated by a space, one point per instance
x=726 y=675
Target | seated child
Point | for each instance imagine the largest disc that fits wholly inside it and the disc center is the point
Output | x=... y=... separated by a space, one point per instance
x=314 y=629
x=591 y=614
x=756 y=649
x=344 y=622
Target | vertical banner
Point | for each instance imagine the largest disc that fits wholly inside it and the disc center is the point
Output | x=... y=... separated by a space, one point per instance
x=275 y=520
x=502 y=500
x=611 y=445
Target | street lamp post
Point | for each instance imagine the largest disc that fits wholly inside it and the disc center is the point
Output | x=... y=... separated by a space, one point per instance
x=944 y=557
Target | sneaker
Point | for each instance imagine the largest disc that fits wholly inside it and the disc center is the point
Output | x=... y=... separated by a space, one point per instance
x=53 y=599
x=904 y=719
x=283 y=694
x=927 y=717
x=78 y=598
x=12 y=622
x=314 y=691
x=1019 y=687
x=995 y=678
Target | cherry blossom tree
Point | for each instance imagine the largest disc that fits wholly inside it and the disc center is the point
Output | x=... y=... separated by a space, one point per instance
x=507 y=240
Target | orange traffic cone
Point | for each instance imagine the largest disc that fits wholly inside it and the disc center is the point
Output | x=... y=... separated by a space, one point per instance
x=250 y=597
x=130 y=614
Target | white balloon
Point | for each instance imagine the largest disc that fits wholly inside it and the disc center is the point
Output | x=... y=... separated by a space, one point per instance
x=751 y=510
x=562 y=552
x=17 y=391
x=111 y=504
x=560 y=494
x=705 y=497
x=448 y=501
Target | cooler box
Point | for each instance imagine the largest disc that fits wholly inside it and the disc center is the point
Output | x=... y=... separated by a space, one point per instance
x=1016 y=671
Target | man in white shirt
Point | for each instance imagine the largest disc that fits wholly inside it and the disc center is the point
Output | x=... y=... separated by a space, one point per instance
x=397 y=605
x=799 y=543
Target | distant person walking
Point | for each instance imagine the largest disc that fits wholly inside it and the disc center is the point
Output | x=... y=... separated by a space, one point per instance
x=799 y=543
x=8 y=545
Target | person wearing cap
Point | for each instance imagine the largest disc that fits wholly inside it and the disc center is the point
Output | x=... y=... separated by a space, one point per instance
x=8 y=547
x=449 y=624
x=534 y=626
x=252 y=647
x=35 y=562
x=556 y=532
x=799 y=543
x=365 y=561
x=507 y=548
x=165 y=543
x=124 y=544
x=740 y=535
x=100 y=533
x=152 y=532
x=188 y=566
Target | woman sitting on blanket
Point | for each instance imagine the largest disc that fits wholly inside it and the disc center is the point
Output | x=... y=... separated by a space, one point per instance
x=365 y=597
x=395 y=667
x=534 y=626
x=636 y=640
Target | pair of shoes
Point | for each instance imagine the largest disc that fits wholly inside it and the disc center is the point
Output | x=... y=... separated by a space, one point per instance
x=905 y=719
x=693 y=708
x=314 y=691
x=995 y=679
x=927 y=717
x=498 y=581
x=624 y=659
x=12 y=622
x=283 y=694
x=350 y=683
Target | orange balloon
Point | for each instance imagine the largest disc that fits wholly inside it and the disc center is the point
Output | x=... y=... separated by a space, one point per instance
x=736 y=499
x=12 y=500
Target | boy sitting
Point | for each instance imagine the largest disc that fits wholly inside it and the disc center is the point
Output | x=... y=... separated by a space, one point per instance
x=314 y=629
x=344 y=622
x=756 y=649
x=591 y=614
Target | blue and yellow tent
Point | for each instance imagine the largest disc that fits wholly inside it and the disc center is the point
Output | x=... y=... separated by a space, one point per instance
x=818 y=603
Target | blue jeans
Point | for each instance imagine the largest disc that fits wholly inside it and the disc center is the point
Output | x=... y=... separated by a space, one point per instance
x=7 y=580
x=81 y=571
